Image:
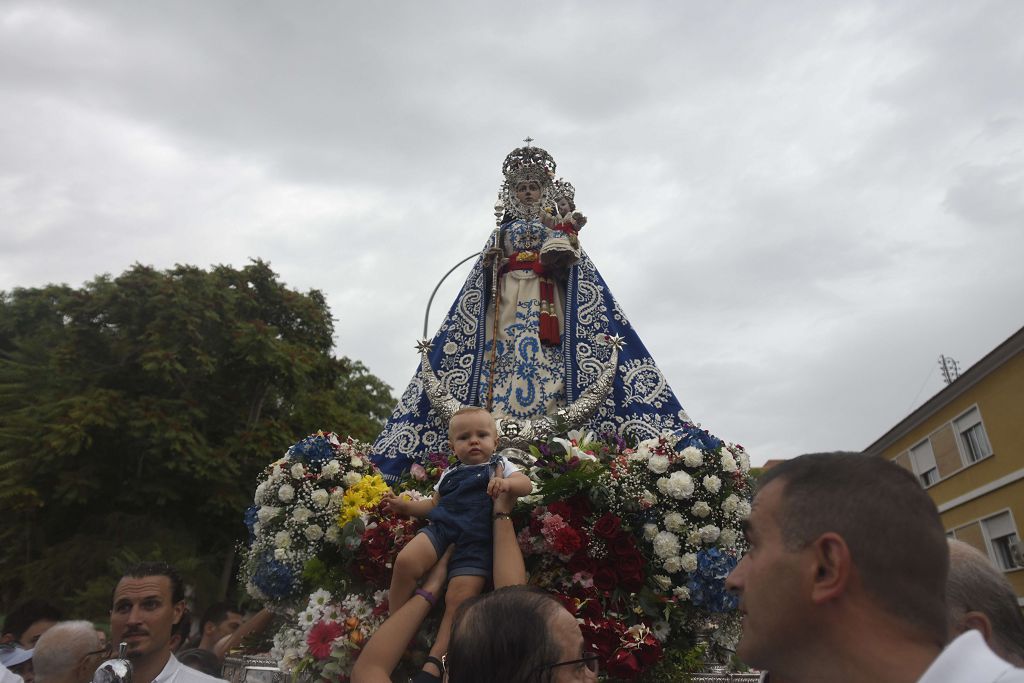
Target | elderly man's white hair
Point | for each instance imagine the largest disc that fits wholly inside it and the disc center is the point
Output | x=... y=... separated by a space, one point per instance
x=978 y=596
x=62 y=648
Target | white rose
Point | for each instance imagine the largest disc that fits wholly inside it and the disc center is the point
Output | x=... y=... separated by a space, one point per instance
x=689 y=562
x=332 y=534
x=658 y=464
x=743 y=509
x=728 y=538
x=709 y=534
x=675 y=522
x=672 y=564
x=681 y=593
x=267 y=513
x=701 y=509
x=356 y=461
x=662 y=581
x=280 y=553
x=314 y=532
x=692 y=457
x=352 y=478
x=282 y=539
x=730 y=504
x=650 y=531
x=728 y=463
x=320 y=498
x=298 y=471
x=666 y=544
x=286 y=493
x=301 y=514
x=712 y=483
x=330 y=469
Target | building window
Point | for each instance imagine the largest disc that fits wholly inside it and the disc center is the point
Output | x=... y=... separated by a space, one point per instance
x=972 y=436
x=923 y=460
x=1002 y=535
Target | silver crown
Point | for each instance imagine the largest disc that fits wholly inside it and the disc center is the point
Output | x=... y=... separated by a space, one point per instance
x=528 y=163
x=563 y=189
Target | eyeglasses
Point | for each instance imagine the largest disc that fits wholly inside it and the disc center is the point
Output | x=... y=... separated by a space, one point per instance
x=591 y=661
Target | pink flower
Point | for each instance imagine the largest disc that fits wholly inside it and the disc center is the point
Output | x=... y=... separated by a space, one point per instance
x=321 y=638
x=417 y=472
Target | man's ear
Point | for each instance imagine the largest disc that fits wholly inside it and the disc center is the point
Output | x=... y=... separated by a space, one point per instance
x=979 y=622
x=832 y=567
x=179 y=609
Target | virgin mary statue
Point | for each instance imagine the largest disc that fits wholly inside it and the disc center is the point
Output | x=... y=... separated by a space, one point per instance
x=532 y=328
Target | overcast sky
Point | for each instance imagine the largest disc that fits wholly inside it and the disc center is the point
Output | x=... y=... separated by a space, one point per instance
x=799 y=205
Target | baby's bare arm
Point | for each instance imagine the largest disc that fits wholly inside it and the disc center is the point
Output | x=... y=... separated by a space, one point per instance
x=405 y=506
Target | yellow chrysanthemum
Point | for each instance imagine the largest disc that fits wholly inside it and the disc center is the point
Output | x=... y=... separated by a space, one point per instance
x=364 y=494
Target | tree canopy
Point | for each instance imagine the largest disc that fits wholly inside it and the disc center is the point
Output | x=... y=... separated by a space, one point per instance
x=136 y=412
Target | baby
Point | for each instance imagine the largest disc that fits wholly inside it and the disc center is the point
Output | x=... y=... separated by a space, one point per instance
x=459 y=514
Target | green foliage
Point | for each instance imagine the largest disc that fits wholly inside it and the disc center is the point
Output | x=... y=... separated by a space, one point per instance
x=136 y=412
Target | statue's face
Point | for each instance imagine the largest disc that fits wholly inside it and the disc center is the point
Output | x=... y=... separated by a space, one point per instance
x=528 y=192
x=564 y=206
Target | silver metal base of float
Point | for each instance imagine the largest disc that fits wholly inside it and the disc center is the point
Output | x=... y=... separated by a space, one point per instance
x=252 y=669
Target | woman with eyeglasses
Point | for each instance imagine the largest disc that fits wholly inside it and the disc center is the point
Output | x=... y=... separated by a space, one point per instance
x=516 y=634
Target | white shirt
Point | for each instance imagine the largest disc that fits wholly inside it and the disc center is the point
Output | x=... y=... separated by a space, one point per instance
x=968 y=660
x=176 y=672
x=7 y=676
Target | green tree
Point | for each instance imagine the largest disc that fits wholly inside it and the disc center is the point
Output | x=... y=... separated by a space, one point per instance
x=136 y=412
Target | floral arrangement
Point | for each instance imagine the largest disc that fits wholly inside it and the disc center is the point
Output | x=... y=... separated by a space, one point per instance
x=636 y=542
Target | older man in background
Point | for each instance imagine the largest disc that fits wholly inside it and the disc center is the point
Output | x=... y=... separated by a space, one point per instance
x=68 y=652
x=979 y=597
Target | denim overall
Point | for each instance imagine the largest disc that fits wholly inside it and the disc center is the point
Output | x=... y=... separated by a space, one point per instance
x=463 y=517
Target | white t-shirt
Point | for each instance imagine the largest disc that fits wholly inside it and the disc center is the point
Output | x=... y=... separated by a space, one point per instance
x=7 y=676
x=176 y=672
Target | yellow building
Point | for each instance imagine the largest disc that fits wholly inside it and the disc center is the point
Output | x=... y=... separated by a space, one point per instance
x=966 y=446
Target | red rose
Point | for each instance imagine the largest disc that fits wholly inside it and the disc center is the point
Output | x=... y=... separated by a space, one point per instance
x=622 y=545
x=609 y=526
x=561 y=509
x=623 y=665
x=602 y=641
x=580 y=562
x=604 y=578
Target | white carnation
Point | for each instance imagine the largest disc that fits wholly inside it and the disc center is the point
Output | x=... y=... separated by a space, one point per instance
x=672 y=564
x=728 y=463
x=692 y=457
x=648 y=498
x=332 y=534
x=728 y=538
x=689 y=562
x=701 y=509
x=330 y=469
x=286 y=493
x=709 y=534
x=280 y=554
x=282 y=539
x=267 y=513
x=650 y=531
x=681 y=593
x=743 y=509
x=301 y=514
x=356 y=461
x=314 y=532
x=693 y=538
x=730 y=504
x=666 y=544
x=712 y=483
x=352 y=478
x=320 y=498
x=675 y=522
x=658 y=464
x=679 y=485
x=298 y=471
x=260 y=491
x=743 y=460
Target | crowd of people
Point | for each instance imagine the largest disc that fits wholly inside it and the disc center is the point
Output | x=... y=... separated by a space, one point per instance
x=148 y=613
x=848 y=577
